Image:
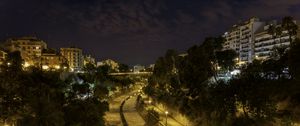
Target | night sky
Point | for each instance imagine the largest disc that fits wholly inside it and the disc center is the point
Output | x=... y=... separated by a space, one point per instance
x=132 y=31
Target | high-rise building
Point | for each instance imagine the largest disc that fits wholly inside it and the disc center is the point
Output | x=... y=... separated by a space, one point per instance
x=252 y=40
x=232 y=38
x=241 y=39
x=266 y=42
x=74 y=57
x=247 y=39
x=29 y=47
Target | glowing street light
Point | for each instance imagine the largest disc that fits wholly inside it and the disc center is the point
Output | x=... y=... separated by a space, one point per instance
x=26 y=64
x=57 y=67
x=166 y=112
x=45 y=67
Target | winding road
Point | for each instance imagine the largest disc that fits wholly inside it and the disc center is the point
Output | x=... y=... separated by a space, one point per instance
x=132 y=117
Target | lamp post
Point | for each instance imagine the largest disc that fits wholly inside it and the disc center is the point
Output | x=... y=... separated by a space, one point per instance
x=166 y=117
x=149 y=108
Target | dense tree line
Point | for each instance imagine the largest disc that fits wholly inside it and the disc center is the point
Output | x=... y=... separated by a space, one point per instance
x=264 y=93
x=40 y=98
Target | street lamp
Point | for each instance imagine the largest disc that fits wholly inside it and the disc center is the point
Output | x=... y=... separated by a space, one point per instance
x=166 y=112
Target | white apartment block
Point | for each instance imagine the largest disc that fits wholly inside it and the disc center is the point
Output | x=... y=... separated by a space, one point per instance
x=251 y=40
x=74 y=57
x=232 y=39
x=241 y=39
x=265 y=42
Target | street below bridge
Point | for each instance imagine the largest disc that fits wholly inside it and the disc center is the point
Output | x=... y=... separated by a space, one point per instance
x=113 y=118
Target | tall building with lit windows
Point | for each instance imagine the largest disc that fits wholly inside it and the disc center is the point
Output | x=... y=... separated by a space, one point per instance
x=232 y=38
x=241 y=39
x=265 y=42
x=51 y=60
x=74 y=57
x=29 y=47
x=251 y=40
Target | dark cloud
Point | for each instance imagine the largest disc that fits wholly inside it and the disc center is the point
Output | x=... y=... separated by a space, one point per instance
x=132 y=31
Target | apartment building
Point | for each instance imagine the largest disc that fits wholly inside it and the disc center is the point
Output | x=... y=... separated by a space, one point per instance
x=51 y=60
x=232 y=38
x=29 y=47
x=241 y=39
x=74 y=57
x=265 y=42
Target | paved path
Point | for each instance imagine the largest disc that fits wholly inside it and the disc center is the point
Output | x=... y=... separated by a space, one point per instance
x=112 y=117
x=132 y=117
x=167 y=120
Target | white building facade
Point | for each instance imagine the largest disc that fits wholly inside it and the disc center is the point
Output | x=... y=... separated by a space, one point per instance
x=241 y=39
x=251 y=40
x=265 y=42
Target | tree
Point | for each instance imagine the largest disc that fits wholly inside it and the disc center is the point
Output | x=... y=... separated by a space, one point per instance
x=294 y=60
x=225 y=59
x=278 y=52
x=278 y=32
x=11 y=74
x=85 y=112
x=152 y=118
x=89 y=68
x=289 y=25
x=252 y=91
x=14 y=62
x=272 y=31
x=275 y=31
x=123 y=67
x=37 y=97
x=102 y=73
x=100 y=91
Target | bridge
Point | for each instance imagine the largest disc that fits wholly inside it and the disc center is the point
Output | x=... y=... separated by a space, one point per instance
x=130 y=73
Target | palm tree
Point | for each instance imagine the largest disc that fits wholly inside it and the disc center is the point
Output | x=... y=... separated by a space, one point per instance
x=272 y=31
x=278 y=32
x=289 y=25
